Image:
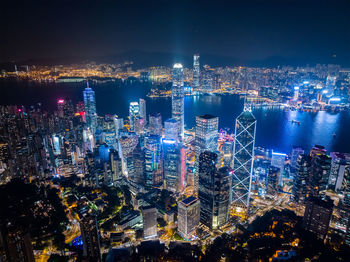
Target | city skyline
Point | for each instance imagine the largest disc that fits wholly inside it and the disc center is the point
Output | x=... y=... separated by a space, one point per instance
x=175 y=131
x=237 y=33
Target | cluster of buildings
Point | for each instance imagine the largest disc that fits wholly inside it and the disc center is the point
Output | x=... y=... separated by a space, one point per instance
x=211 y=175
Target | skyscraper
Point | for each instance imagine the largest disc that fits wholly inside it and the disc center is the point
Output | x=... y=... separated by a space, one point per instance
x=301 y=178
x=134 y=113
x=178 y=97
x=320 y=171
x=171 y=129
x=196 y=71
x=149 y=217
x=272 y=180
x=243 y=157
x=143 y=114
x=15 y=244
x=214 y=190
x=340 y=162
x=206 y=138
x=296 y=151
x=90 y=236
x=317 y=216
x=90 y=108
x=277 y=160
x=173 y=165
x=155 y=124
x=118 y=125
x=188 y=216
x=153 y=161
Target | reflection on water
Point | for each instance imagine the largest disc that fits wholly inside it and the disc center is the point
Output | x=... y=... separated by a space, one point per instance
x=274 y=127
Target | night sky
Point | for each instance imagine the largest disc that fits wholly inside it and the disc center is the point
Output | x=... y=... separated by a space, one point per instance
x=251 y=30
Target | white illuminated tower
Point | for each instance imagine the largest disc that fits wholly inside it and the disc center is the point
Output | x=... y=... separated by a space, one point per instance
x=296 y=93
x=142 y=104
x=90 y=108
x=134 y=112
x=196 y=71
x=243 y=157
x=178 y=97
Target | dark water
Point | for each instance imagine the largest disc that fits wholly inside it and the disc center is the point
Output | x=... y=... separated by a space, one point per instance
x=274 y=127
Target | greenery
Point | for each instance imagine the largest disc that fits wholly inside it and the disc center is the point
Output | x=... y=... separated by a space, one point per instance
x=38 y=209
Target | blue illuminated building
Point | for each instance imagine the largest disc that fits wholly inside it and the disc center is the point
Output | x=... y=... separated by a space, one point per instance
x=90 y=108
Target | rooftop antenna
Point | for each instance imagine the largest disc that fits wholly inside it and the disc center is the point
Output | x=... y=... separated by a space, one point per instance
x=87 y=83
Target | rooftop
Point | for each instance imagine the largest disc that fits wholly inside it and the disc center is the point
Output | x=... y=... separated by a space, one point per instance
x=207 y=116
x=189 y=200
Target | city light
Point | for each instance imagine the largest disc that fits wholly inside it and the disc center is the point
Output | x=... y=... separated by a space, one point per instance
x=125 y=144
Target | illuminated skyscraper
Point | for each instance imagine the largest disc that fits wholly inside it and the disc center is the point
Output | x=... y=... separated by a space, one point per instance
x=178 y=97
x=142 y=103
x=214 y=191
x=340 y=162
x=320 y=172
x=172 y=165
x=196 y=71
x=90 y=108
x=243 y=157
x=134 y=112
x=153 y=161
x=155 y=124
x=317 y=216
x=188 y=216
x=171 y=129
x=301 y=178
x=296 y=93
x=296 y=151
x=277 y=160
x=149 y=216
x=206 y=139
x=90 y=236
x=118 y=125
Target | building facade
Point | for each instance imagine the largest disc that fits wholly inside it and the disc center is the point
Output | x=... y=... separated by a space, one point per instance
x=206 y=138
x=188 y=216
x=90 y=108
x=177 y=98
x=243 y=157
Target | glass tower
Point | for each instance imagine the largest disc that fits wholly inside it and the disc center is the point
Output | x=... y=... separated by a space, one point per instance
x=170 y=129
x=142 y=103
x=172 y=165
x=153 y=161
x=196 y=71
x=134 y=113
x=178 y=97
x=206 y=138
x=214 y=191
x=243 y=157
x=155 y=124
x=90 y=108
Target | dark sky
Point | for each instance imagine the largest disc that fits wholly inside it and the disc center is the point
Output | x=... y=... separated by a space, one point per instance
x=242 y=29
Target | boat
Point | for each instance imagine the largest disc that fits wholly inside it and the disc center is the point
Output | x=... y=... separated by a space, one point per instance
x=295 y=122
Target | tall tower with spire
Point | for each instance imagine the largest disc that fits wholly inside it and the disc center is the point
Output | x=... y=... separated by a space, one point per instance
x=90 y=108
x=243 y=157
x=177 y=97
x=196 y=71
